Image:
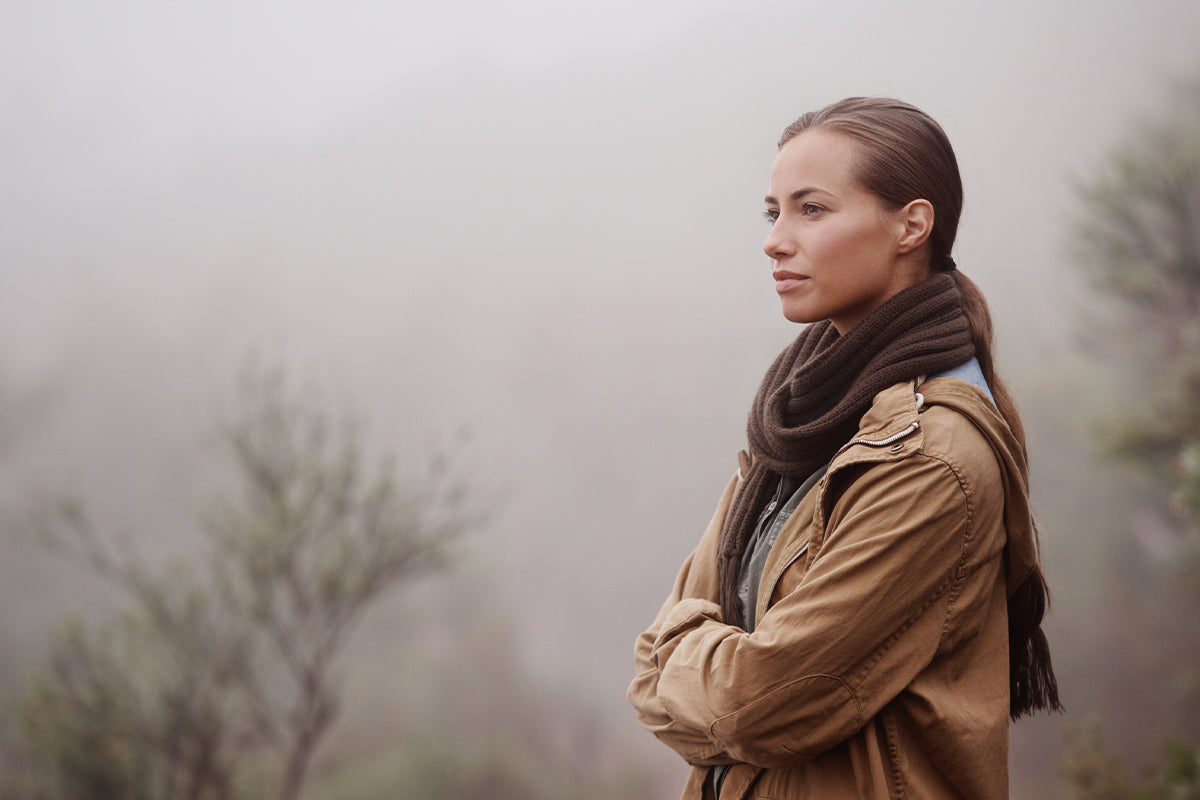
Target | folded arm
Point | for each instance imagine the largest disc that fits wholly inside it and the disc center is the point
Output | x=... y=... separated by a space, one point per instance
x=865 y=619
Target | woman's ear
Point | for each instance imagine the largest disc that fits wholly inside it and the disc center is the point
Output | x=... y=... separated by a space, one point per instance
x=917 y=219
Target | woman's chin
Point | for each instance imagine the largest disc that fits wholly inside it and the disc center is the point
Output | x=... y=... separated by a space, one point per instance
x=794 y=313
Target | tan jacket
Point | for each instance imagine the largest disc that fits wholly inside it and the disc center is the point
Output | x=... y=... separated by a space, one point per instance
x=878 y=667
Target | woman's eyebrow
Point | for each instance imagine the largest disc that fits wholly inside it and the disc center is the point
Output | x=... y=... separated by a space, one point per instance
x=799 y=194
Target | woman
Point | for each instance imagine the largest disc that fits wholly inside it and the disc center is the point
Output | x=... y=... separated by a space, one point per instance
x=862 y=615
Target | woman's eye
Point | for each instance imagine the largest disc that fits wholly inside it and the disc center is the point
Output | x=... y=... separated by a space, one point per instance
x=771 y=215
x=808 y=209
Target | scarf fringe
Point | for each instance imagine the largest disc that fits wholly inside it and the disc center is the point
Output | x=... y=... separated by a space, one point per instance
x=756 y=485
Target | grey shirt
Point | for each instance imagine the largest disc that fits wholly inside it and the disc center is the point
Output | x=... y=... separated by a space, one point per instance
x=770 y=523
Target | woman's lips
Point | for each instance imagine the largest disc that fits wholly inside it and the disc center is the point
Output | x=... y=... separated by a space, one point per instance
x=787 y=280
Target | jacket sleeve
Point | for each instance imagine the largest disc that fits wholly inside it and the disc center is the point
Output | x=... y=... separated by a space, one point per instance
x=696 y=579
x=864 y=620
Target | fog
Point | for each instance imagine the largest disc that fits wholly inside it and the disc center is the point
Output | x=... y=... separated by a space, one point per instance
x=531 y=227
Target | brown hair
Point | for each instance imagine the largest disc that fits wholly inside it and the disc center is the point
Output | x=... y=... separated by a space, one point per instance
x=902 y=154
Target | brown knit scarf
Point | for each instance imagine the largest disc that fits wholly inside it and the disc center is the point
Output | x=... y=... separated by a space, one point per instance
x=811 y=400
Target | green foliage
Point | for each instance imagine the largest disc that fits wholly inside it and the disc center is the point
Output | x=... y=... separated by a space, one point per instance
x=1097 y=773
x=460 y=715
x=500 y=771
x=1136 y=238
x=220 y=665
x=83 y=755
x=475 y=768
x=148 y=704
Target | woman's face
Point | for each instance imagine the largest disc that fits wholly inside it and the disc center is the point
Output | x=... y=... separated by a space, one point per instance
x=836 y=252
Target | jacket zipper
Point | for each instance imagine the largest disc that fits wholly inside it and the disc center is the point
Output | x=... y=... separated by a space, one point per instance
x=720 y=782
x=895 y=437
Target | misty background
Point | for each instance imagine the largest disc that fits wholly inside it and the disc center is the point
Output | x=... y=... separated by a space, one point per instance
x=529 y=232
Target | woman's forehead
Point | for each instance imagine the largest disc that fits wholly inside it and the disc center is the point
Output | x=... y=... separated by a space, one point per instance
x=818 y=159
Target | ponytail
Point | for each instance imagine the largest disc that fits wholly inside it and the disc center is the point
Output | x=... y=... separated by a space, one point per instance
x=1031 y=682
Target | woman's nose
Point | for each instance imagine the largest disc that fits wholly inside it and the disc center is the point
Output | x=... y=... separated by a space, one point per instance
x=777 y=244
